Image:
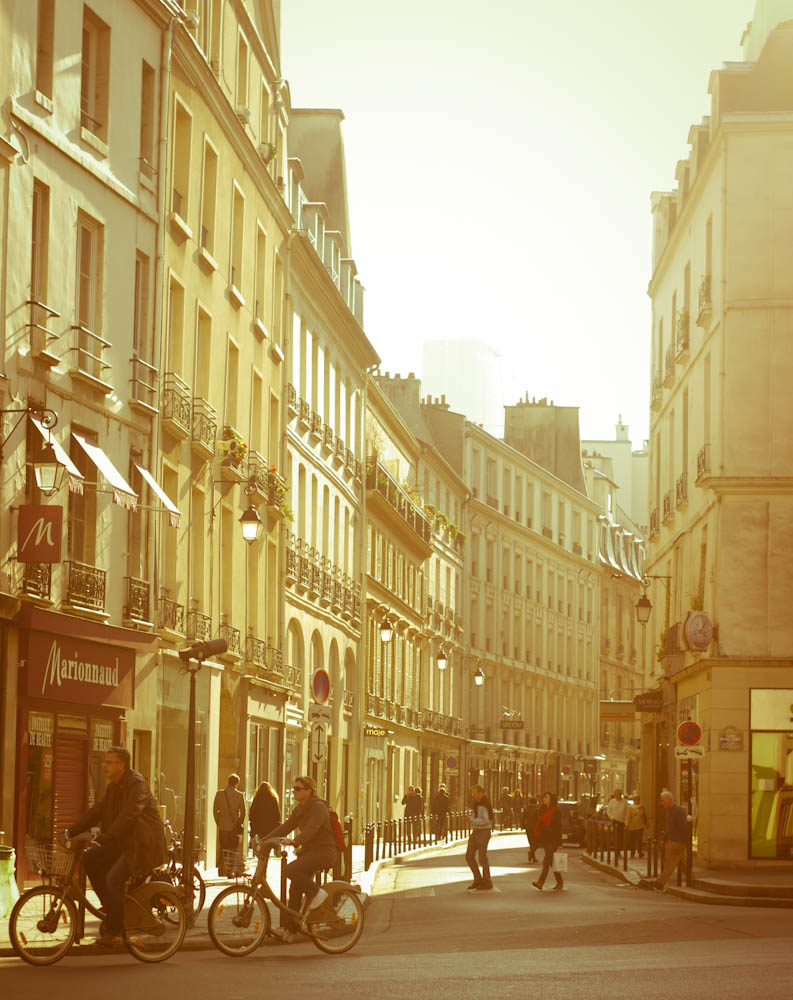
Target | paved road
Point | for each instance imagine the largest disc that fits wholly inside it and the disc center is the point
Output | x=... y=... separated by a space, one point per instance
x=427 y=938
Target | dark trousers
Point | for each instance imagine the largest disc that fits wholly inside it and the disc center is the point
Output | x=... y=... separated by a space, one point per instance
x=635 y=842
x=547 y=861
x=532 y=844
x=477 y=846
x=228 y=840
x=300 y=873
x=108 y=871
x=619 y=835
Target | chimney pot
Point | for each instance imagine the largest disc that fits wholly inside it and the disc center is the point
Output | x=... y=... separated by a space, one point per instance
x=411 y=375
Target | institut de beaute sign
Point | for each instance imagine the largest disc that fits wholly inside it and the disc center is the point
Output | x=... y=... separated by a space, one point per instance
x=72 y=669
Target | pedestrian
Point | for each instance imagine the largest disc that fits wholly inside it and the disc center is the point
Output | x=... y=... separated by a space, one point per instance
x=481 y=824
x=517 y=807
x=635 y=822
x=440 y=810
x=617 y=811
x=531 y=813
x=265 y=810
x=418 y=811
x=548 y=835
x=675 y=840
x=229 y=812
x=506 y=808
x=131 y=840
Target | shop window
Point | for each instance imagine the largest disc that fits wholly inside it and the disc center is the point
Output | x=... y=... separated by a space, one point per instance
x=38 y=779
x=772 y=795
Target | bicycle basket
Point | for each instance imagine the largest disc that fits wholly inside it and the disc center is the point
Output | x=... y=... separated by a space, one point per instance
x=233 y=863
x=46 y=859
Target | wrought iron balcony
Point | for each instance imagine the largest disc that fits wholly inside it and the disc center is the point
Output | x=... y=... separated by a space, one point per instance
x=380 y=481
x=327 y=439
x=170 y=615
x=175 y=403
x=669 y=366
x=705 y=306
x=681 y=490
x=85 y=586
x=291 y=399
x=303 y=413
x=654 y=527
x=338 y=451
x=199 y=626
x=232 y=637
x=682 y=345
x=37 y=580
x=136 y=604
x=657 y=391
x=703 y=462
x=668 y=506
x=294 y=677
x=315 y=429
x=205 y=427
x=349 y=701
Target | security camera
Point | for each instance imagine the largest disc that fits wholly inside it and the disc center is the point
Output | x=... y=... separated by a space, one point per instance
x=202 y=650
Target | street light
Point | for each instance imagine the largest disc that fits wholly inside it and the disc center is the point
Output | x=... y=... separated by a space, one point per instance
x=251 y=524
x=643 y=609
x=386 y=629
x=47 y=469
x=479 y=677
x=441 y=659
x=199 y=651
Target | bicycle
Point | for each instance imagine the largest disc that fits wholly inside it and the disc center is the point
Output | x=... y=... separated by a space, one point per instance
x=43 y=921
x=171 y=871
x=239 y=919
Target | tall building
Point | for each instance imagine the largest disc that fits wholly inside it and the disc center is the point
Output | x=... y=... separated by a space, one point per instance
x=628 y=469
x=468 y=374
x=721 y=451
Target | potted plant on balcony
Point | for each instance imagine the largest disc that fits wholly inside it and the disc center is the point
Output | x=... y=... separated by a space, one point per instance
x=232 y=449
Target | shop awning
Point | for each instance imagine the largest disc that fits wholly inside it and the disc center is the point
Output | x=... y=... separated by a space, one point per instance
x=171 y=507
x=123 y=494
x=75 y=476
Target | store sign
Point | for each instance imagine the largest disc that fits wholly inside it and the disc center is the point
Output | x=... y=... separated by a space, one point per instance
x=730 y=738
x=78 y=670
x=772 y=708
x=101 y=735
x=374 y=731
x=40 y=730
x=649 y=701
x=39 y=532
x=507 y=723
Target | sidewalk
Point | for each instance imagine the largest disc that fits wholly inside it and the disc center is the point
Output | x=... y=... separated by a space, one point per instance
x=197 y=937
x=770 y=887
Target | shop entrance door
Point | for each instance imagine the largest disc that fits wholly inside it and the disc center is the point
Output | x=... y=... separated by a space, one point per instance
x=70 y=792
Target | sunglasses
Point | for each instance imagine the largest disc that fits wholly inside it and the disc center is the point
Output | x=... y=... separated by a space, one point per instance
x=298 y=788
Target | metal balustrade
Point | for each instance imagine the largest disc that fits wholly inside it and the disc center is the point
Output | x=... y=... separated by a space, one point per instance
x=85 y=586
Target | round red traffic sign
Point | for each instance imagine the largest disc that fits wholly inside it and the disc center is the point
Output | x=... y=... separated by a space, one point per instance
x=320 y=686
x=689 y=733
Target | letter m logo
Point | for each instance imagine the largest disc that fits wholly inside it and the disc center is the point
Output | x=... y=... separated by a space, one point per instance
x=39 y=534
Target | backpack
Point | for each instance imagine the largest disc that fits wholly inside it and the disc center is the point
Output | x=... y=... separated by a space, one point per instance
x=338 y=832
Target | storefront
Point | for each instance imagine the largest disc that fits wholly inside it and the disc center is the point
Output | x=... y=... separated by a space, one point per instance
x=76 y=682
x=771 y=777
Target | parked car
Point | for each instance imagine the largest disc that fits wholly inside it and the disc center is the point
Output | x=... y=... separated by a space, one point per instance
x=573 y=829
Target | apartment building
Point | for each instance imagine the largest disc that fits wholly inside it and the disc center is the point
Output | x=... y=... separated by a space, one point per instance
x=720 y=458
x=328 y=356
x=81 y=232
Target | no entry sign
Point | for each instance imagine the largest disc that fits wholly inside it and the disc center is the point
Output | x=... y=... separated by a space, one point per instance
x=320 y=686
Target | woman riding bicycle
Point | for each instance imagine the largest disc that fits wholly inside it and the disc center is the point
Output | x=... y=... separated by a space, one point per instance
x=316 y=850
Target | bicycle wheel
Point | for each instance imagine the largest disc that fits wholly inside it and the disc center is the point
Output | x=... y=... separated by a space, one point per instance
x=42 y=925
x=199 y=888
x=336 y=925
x=154 y=923
x=238 y=920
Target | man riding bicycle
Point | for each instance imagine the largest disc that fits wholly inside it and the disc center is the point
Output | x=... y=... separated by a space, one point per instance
x=316 y=847
x=131 y=840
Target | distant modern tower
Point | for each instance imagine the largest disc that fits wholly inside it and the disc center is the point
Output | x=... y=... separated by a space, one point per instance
x=468 y=373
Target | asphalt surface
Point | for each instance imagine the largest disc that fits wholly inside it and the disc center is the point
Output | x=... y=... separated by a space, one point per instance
x=427 y=937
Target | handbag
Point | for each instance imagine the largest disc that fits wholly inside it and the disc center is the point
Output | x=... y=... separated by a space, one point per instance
x=238 y=826
x=559 y=863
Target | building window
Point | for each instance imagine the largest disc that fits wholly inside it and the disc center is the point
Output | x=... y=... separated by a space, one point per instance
x=140 y=315
x=95 y=75
x=237 y=231
x=89 y=295
x=209 y=198
x=147 y=88
x=242 y=74
x=183 y=130
x=39 y=265
x=258 y=294
x=45 y=47
x=81 y=526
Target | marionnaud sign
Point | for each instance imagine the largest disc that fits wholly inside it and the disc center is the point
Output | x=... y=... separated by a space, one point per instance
x=39 y=532
x=78 y=670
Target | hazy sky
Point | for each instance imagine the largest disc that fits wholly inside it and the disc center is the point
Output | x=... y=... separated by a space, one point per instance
x=500 y=159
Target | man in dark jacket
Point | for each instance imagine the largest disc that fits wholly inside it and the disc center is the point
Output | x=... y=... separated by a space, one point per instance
x=131 y=840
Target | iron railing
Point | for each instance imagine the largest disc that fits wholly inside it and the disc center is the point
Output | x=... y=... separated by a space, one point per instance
x=170 y=615
x=85 y=586
x=136 y=605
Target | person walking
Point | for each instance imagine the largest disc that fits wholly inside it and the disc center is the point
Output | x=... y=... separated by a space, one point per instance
x=675 y=840
x=505 y=803
x=617 y=811
x=481 y=824
x=229 y=812
x=517 y=807
x=531 y=813
x=548 y=835
x=440 y=810
x=414 y=805
x=635 y=822
x=131 y=840
x=265 y=810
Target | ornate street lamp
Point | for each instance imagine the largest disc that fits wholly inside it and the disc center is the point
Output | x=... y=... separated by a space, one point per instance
x=643 y=609
x=47 y=469
x=386 y=629
x=479 y=677
x=441 y=660
x=251 y=524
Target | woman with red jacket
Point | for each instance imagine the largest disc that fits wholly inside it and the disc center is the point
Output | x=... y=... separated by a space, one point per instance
x=548 y=835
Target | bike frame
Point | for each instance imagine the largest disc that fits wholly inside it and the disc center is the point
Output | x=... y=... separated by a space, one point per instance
x=259 y=883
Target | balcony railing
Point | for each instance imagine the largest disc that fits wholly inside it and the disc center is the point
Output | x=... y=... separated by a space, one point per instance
x=143 y=382
x=669 y=366
x=654 y=526
x=703 y=461
x=294 y=677
x=657 y=391
x=85 y=586
x=41 y=337
x=199 y=626
x=136 y=604
x=681 y=490
x=37 y=580
x=380 y=480
x=232 y=637
x=547 y=532
x=304 y=413
x=205 y=425
x=87 y=347
x=327 y=438
x=338 y=451
x=175 y=402
x=682 y=335
x=705 y=307
x=170 y=615
x=315 y=429
x=291 y=399
x=349 y=701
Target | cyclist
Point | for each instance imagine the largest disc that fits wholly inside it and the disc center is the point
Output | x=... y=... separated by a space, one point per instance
x=131 y=840
x=316 y=850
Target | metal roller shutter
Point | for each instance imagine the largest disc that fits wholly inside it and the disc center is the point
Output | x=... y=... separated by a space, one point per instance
x=70 y=792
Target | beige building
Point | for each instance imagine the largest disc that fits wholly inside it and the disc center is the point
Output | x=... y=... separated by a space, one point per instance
x=720 y=459
x=81 y=241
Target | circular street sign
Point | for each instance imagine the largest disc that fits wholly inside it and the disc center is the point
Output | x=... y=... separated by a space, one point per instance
x=689 y=733
x=451 y=762
x=320 y=686
x=566 y=769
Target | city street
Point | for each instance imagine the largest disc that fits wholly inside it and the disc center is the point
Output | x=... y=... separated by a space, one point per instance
x=426 y=936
